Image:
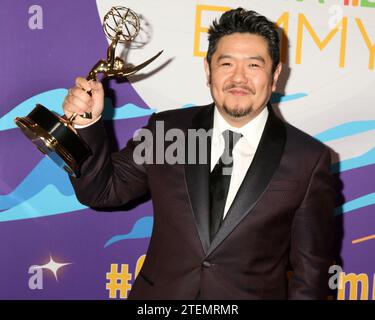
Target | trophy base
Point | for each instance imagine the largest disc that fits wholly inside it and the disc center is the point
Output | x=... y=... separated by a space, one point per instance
x=55 y=138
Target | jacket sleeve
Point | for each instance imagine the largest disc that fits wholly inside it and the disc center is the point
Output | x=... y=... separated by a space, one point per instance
x=106 y=179
x=312 y=235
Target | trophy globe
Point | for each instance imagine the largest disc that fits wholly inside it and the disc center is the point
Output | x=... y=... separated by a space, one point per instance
x=122 y=22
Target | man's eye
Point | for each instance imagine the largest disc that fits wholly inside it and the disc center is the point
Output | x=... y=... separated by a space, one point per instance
x=226 y=64
x=254 y=65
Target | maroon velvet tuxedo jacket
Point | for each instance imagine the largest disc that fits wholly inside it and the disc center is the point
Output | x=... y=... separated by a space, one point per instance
x=282 y=215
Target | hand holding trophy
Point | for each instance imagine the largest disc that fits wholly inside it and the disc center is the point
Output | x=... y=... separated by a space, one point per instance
x=54 y=135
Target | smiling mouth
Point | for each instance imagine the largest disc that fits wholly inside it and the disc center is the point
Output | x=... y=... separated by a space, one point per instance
x=238 y=92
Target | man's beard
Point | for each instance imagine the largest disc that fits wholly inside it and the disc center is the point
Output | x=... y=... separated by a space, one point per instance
x=237 y=112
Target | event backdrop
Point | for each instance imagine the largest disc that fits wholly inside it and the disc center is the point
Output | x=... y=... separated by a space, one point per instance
x=53 y=247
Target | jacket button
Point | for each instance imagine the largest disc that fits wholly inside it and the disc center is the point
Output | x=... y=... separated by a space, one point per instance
x=206 y=264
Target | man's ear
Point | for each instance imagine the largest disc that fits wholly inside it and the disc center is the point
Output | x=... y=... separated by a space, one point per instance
x=207 y=70
x=276 y=75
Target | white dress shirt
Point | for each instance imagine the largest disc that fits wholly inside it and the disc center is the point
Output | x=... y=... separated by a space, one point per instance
x=243 y=151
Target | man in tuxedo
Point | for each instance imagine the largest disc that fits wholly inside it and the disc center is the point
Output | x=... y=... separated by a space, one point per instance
x=229 y=227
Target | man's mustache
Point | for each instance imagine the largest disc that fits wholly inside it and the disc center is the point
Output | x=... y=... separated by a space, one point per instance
x=242 y=87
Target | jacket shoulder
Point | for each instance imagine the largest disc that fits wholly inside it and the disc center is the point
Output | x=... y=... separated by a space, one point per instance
x=304 y=141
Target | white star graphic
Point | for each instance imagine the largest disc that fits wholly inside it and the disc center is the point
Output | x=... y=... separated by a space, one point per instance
x=53 y=266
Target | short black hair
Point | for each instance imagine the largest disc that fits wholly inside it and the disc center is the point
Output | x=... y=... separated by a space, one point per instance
x=244 y=21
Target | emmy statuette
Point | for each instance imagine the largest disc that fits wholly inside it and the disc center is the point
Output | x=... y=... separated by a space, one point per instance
x=54 y=135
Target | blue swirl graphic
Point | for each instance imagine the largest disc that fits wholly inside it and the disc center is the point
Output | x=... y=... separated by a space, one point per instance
x=346 y=130
x=142 y=228
x=366 y=159
x=361 y=202
x=53 y=100
x=32 y=197
x=44 y=173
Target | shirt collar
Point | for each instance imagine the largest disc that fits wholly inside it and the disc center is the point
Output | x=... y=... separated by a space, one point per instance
x=252 y=131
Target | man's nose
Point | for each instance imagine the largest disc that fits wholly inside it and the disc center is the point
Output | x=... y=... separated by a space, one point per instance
x=239 y=75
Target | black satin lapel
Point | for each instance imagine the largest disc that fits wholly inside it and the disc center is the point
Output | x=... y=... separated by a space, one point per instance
x=197 y=178
x=265 y=163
